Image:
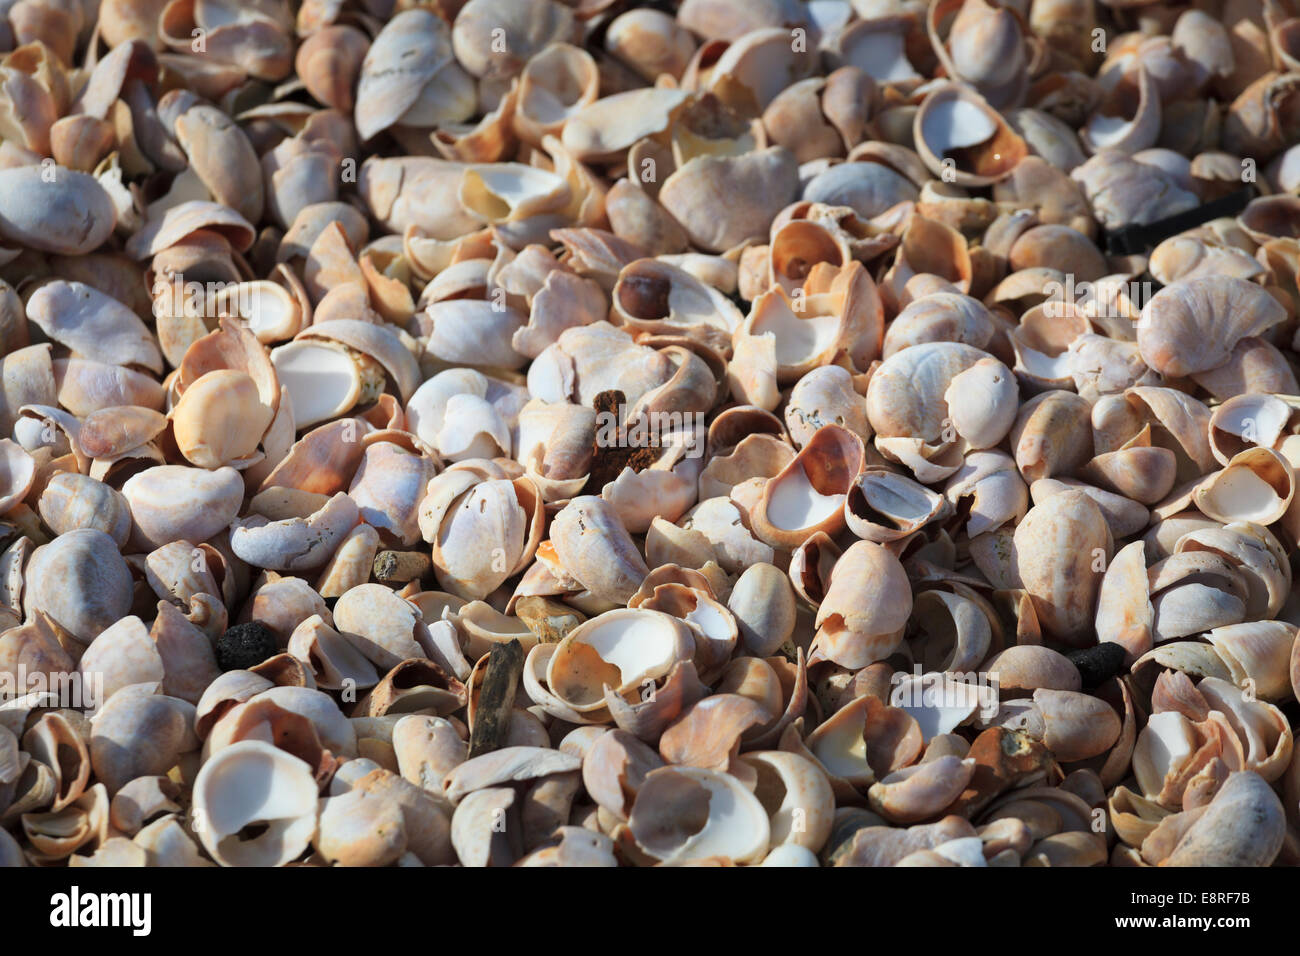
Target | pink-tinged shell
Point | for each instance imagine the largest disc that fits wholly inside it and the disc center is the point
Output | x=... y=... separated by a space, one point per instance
x=1192 y=325
x=862 y=616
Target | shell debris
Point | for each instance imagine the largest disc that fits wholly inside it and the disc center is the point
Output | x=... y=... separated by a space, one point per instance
x=602 y=433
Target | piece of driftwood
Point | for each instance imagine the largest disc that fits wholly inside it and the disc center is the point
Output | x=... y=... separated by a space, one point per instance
x=496 y=699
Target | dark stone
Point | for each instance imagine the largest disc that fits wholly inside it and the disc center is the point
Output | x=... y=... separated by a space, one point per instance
x=246 y=645
x=1098 y=664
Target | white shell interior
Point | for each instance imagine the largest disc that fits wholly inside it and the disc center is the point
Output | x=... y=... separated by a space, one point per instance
x=799 y=338
x=1242 y=494
x=952 y=122
x=638 y=644
x=937 y=704
x=842 y=749
x=880 y=53
x=1167 y=741
x=253 y=783
x=323 y=381
x=710 y=620
x=737 y=827
x=794 y=503
x=1105 y=130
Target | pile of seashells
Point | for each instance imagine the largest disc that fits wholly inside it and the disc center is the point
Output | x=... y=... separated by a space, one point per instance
x=540 y=433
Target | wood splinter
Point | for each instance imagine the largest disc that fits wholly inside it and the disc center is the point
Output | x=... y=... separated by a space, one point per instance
x=496 y=699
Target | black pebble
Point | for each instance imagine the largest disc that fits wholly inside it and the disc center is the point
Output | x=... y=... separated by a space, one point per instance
x=245 y=646
x=1098 y=664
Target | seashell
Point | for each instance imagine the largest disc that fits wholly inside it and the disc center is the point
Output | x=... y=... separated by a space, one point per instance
x=1242 y=826
x=613 y=769
x=220 y=419
x=1256 y=485
x=294 y=544
x=870 y=189
x=622 y=650
x=413 y=686
x=93 y=324
x=757 y=456
x=1063 y=582
x=940 y=317
x=606 y=128
x=861 y=618
x=884 y=507
x=500 y=193
x=525 y=30
x=388 y=486
x=956 y=123
x=72 y=501
x=879 y=46
x=379 y=624
x=982 y=45
x=714 y=629
x=825 y=396
x=137 y=734
x=113 y=431
x=331 y=727
x=763 y=605
x=708 y=732
x=359 y=828
x=473 y=835
x=89 y=556
x=808 y=495
x=172 y=503
x=142 y=801
x=56 y=835
x=1257 y=122
x=953 y=632
x=797 y=798
x=329 y=62
x=1261 y=730
x=592 y=546
x=1050 y=435
x=650 y=42
x=1123 y=191
x=922 y=791
x=1128 y=119
x=1137 y=471
x=794 y=120
x=989 y=488
x=676 y=793
x=553 y=86
x=19 y=473
x=283 y=802
x=429 y=89
x=61 y=211
x=122 y=655
x=352 y=563
x=652 y=296
x=1123 y=515
x=1257 y=655
x=1171 y=333
x=938 y=704
x=334 y=660
x=862 y=741
x=1076 y=726
x=706 y=183
x=55 y=742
